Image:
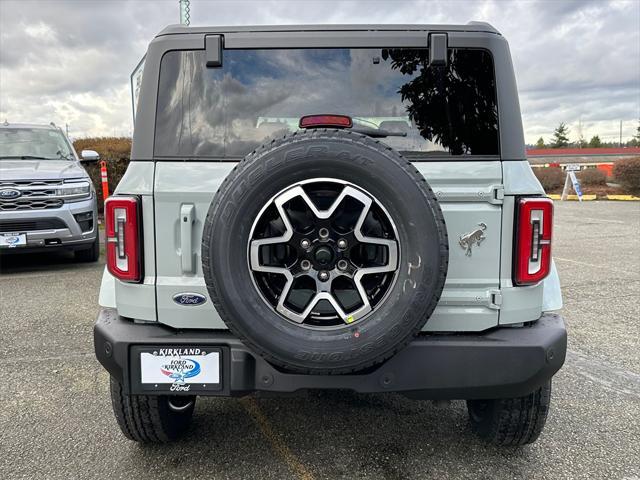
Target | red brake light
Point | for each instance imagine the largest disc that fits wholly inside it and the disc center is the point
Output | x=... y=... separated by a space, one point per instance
x=332 y=121
x=532 y=259
x=122 y=238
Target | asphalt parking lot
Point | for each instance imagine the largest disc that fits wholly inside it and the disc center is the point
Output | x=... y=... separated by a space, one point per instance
x=56 y=420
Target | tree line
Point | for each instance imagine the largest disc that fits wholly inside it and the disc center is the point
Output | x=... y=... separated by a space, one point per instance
x=560 y=139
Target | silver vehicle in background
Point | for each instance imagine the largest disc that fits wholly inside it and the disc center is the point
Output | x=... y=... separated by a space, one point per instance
x=47 y=200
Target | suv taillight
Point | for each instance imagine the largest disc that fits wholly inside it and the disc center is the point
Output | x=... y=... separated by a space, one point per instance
x=532 y=259
x=123 y=238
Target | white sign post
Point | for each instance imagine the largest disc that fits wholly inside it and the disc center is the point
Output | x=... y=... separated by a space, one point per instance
x=571 y=181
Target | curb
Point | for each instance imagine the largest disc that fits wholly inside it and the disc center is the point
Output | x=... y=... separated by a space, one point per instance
x=585 y=198
x=628 y=198
x=588 y=198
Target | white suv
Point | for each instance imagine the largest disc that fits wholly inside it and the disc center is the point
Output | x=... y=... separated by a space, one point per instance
x=343 y=207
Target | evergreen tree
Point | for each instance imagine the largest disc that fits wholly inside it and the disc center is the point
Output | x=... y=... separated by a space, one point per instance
x=635 y=141
x=595 y=142
x=540 y=143
x=560 y=138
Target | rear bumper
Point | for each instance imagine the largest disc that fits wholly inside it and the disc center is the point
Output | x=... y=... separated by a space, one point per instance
x=502 y=363
x=67 y=234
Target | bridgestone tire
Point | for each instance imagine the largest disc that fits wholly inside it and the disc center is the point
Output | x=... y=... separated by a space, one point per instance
x=368 y=164
x=511 y=421
x=151 y=418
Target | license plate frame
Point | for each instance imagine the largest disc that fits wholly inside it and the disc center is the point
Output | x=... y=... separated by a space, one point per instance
x=168 y=369
x=13 y=240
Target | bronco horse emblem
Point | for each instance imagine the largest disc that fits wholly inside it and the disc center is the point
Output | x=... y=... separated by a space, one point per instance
x=468 y=239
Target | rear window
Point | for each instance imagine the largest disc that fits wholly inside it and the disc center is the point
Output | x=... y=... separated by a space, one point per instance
x=260 y=94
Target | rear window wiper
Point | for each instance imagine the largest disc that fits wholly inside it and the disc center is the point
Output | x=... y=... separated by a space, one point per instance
x=376 y=132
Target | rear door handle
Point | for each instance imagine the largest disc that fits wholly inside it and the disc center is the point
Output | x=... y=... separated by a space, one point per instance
x=186 y=227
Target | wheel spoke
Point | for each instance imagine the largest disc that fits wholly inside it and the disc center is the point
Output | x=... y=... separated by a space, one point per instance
x=255 y=245
x=363 y=310
x=324 y=296
x=290 y=314
x=298 y=191
x=392 y=246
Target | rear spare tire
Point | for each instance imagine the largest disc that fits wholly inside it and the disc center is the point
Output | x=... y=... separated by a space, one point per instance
x=325 y=251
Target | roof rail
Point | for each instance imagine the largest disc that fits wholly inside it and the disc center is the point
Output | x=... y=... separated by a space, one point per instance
x=482 y=24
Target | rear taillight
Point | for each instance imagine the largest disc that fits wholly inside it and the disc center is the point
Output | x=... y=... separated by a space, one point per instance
x=532 y=260
x=123 y=238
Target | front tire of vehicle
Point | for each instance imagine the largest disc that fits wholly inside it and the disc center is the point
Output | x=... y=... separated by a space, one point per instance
x=91 y=254
x=511 y=422
x=151 y=418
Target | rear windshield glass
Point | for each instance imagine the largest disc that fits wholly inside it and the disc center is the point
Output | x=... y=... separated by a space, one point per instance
x=260 y=94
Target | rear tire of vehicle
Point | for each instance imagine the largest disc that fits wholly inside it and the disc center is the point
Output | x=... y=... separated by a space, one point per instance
x=91 y=254
x=151 y=418
x=511 y=421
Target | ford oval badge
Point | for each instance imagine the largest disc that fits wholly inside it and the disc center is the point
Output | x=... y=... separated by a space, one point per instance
x=9 y=193
x=189 y=299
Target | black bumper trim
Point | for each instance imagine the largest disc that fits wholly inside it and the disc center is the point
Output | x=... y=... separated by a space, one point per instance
x=501 y=363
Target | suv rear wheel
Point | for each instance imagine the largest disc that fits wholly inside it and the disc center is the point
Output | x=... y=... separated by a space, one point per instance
x=511 y=421
x=151 y=418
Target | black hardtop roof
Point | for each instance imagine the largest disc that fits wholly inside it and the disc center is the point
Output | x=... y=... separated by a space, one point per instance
x=469 y=27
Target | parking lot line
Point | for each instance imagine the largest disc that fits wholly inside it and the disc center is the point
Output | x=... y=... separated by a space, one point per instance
x=605 y=374
x=603 y=220
x=50 y=358
x=577 y=262
x=280 y=447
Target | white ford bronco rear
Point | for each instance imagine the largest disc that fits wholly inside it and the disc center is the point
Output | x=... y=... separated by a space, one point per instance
x=344 y=207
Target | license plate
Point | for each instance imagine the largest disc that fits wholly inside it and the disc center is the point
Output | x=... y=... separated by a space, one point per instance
x=180 y=369
x=12 y=240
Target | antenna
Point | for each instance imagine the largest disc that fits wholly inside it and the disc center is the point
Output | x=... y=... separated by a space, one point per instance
x=185 y=12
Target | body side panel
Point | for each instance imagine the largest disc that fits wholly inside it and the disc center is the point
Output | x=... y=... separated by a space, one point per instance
x=522 y=304
x=138 y=300
x=464 y=191
x=178 y=184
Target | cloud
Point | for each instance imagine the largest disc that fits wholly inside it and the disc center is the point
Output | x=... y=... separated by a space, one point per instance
x=69 y=61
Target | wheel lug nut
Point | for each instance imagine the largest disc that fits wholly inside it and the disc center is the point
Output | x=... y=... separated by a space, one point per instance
x=305 y=264
x=342 y=244
x=323 y=232
x=323 y=276
x=304 y=243
x=342 y=264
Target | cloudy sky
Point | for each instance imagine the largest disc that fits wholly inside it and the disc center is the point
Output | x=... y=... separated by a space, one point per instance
x=69 y=61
